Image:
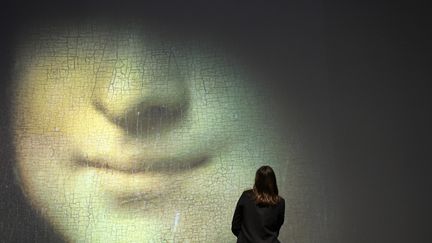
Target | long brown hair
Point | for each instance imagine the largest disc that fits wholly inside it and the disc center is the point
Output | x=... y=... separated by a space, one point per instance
x=265 y=189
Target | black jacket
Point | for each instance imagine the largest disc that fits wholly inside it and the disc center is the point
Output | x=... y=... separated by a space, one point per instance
x=254 y=223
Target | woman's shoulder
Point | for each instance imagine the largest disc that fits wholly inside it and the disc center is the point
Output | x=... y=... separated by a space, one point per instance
x=248 y=191
x=247 y=194
x=281 y=201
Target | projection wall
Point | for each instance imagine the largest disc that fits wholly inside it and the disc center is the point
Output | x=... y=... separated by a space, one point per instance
x=123 y=135
x=147 y=125
x=130 y=131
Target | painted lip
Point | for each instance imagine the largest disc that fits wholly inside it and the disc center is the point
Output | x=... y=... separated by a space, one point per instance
x=137 y=177
x=141 y=165
x=141 y=183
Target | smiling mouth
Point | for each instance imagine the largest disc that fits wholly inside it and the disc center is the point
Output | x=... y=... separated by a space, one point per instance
x=136 y=178
x=139 y=166
x=138 y=184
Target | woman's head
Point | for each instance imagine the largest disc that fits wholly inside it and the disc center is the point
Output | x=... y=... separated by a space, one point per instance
x=265 y=188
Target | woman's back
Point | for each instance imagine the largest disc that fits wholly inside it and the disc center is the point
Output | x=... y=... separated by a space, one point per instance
x=254 y=222
x=260 y=212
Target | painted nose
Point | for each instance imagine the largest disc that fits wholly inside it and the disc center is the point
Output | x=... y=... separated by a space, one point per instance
x=146 y=98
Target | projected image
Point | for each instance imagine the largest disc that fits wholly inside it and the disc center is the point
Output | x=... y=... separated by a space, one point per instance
x=126 y=134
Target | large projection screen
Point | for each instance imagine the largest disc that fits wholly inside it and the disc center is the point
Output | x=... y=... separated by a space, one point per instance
x=137 y=122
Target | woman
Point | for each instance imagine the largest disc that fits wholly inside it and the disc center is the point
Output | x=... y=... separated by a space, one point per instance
x=260 y=212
